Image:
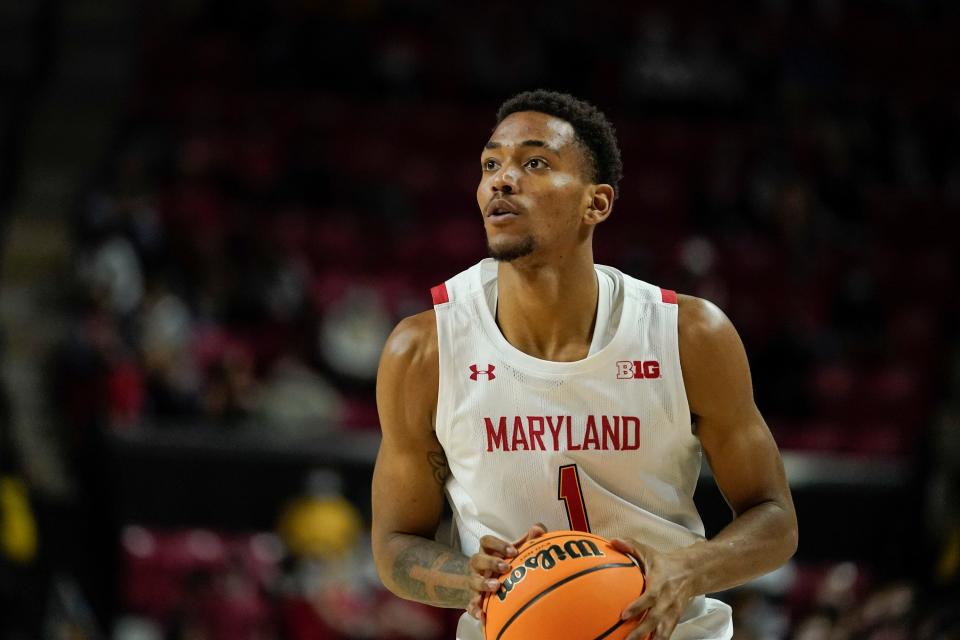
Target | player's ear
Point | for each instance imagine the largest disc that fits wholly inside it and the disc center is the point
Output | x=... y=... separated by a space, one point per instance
x=600 y=203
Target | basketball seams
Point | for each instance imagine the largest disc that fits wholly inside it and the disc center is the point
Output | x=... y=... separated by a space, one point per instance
x=606 y=633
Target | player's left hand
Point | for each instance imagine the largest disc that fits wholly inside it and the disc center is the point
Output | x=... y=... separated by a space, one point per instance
x=486 y=565
x=667 y=593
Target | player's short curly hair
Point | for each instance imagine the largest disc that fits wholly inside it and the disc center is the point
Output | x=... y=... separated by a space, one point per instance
x=593 y=130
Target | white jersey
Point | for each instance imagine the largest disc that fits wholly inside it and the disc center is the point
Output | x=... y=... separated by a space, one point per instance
x=603 y=444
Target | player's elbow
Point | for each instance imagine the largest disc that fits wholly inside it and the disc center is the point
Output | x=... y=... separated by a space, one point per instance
x=383 y=557
x=790 y=534
x=793 y=538
x=386 y=550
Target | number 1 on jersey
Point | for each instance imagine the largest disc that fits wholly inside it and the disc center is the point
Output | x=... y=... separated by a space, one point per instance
x=569 y=491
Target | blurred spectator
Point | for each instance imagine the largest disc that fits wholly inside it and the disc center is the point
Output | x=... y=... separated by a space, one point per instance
x=332 y=583
x=113 y=275
x=21 y=579
x=294 y=397
x=165 y=341
x=943 y=495
x=352 y=333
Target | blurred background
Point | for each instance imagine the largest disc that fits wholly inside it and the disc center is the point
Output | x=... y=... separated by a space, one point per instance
x=213 y=212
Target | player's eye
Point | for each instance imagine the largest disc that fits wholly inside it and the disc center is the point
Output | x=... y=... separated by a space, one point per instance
x=536 y=163
x=489 y=164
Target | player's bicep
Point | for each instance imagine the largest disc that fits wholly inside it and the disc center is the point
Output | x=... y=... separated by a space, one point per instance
x=410 y=470
x=739 y=447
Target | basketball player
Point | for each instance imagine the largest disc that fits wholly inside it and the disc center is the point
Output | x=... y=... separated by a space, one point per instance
x=545 y=392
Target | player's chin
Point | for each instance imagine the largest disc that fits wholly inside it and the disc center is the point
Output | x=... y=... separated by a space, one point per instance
x=507 y=248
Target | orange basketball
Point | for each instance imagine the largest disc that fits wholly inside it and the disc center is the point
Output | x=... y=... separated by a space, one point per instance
x=566 y=584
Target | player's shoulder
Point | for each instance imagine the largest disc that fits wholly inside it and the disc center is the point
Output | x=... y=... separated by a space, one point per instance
x=716 y=374
x=701 y=324
x=413 y=342
x=408 y=377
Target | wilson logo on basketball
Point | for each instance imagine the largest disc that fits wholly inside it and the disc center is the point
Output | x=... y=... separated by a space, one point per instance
x=548 y=558
x=638 y=369
x=475 y=372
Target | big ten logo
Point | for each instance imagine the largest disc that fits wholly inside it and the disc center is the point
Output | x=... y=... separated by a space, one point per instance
x=638 y=369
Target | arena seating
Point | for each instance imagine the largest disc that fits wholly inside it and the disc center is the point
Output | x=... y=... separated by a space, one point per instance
x=269 y=212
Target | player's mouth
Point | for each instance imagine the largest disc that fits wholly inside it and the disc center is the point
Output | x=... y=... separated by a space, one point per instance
x=501 y=211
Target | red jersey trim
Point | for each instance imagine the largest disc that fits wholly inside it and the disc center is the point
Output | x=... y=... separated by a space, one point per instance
x=439 y=293
x=668 y=296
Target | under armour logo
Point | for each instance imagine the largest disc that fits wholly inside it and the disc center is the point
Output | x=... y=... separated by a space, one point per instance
x=474 y=372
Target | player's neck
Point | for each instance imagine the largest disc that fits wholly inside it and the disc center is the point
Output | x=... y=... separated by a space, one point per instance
x=547 y=308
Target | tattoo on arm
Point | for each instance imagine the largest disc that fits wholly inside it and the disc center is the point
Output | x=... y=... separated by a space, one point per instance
x=438 y=462
x=433 y=573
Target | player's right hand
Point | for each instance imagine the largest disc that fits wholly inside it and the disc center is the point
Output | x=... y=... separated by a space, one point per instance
x=491 y=561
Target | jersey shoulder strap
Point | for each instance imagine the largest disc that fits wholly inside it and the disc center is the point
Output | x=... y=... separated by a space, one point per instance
x=462 y=286
x=640 y=290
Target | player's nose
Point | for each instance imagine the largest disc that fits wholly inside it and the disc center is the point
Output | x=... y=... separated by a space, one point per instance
x=505 y=181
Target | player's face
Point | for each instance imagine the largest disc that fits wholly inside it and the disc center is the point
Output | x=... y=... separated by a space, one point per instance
x=533 y=190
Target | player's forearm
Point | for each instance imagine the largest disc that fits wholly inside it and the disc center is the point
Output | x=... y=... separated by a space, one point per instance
x=756 y=542
x=419 y=569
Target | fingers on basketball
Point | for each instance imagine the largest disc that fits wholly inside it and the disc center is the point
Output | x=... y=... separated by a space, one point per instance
x=487 y=565
x=494 y=546
x=636 y=549
x=535 y=531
